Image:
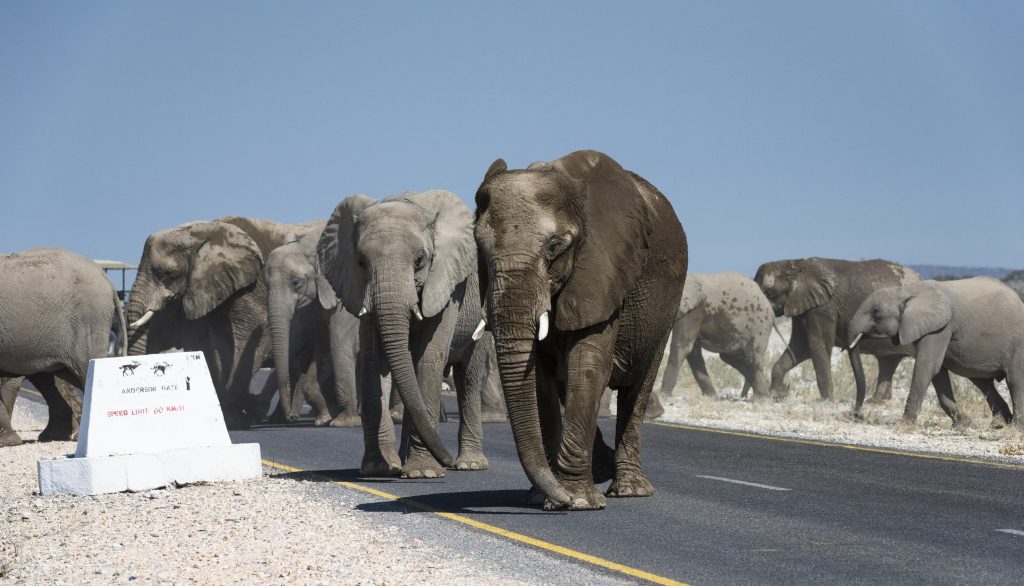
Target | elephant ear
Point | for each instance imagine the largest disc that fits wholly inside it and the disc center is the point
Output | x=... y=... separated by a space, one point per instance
x=336 y=251
x=454 y=247
x=924 y=309
x=613 y=242
x=324 y=292
x=693 y=295
x=813 y=285
x=226 y=261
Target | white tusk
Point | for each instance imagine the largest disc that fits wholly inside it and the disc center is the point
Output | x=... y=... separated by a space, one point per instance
x=542 y=326
x=143 y=320
x=363 y=311
x=479 y=331
x=855 y=340
x=417 y=313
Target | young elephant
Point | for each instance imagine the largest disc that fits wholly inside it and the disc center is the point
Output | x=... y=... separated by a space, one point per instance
x=405 y=265
x=309 y=329
x=584 y=263
x=821 y=295
x=971 y=327
x=725 y=313
x=57 y=309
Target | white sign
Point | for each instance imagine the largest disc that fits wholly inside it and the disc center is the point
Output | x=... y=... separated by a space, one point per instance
x=149 y=404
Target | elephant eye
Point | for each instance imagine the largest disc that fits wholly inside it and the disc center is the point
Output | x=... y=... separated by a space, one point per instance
x=555 y=247
x=296 y=283
x=421 y=260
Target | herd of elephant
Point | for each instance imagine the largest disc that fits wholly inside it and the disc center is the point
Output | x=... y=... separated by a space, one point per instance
x=569 y=278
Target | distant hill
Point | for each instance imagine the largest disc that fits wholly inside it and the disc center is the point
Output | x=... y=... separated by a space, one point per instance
x=933 y=271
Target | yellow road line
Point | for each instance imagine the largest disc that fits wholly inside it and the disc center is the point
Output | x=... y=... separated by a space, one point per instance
x=576 y=555
x=793 y=440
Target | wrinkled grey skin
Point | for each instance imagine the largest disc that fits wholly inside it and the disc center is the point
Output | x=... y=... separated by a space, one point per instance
x=203 y=281
x=971 y=327
x=725 y=313
x=396 y=261
x=598 y=253
x=308 y=329
x=57 y=309
x=821 y=295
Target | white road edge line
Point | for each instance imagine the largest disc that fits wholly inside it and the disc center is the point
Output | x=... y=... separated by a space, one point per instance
x=1011 y=531
x=744 y=483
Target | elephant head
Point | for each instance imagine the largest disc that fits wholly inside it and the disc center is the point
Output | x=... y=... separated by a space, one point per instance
x=905 y=314
x=559 y=243
x=397 y=260
x=796 y=286
x=294 y=281
x=199 y=265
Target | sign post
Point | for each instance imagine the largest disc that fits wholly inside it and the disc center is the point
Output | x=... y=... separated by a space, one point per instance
x=147 y=422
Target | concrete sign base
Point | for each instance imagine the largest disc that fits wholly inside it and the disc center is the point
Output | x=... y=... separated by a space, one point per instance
x=147 y=422
x=138 y=472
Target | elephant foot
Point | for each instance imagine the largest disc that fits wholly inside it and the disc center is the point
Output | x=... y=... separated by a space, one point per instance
x=630 y=484
x=492 y=416
x=237 y=421
x=471 y=460
x=780 y=394
x=380 y=465
x=55 y=434
x=421 y=464
x=877 y=400
x=654 y=408
x=582 y=497
x=346 y=419
x=322 y=419
x=962 y=423
x=999 y=421
x=9 y=438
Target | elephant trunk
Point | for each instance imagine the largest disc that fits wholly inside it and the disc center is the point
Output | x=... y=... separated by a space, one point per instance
x=138 y=306
x=280 y=319
x=393 y=313
x=515 y=332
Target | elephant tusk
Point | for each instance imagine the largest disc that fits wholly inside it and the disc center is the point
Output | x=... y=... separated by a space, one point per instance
x=363 y=311
x=853 y=344
x=417 y=313
x=143 y=320
x=542 y=326
x=479 y=331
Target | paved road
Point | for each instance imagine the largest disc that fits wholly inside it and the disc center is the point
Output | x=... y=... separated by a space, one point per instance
x=730 y=508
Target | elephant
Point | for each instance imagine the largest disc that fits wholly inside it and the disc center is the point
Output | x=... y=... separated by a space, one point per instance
x=971 y=327
x=307 y=327
x=821 y=296
x=405 y=266
x=200 y=287
x=57 y=311
x=584 y=265
x=725 y=313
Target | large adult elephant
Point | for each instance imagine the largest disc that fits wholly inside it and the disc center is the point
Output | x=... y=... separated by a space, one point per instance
x=971 y=327
x=406 y=265
x=821 y=295
x=200 y=287
x=585 y=264
x=307 y=328
x=725 y=313
x=57 y=310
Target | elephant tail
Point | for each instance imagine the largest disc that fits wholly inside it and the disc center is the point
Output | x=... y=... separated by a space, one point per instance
x=775 y=327
x=122 y=327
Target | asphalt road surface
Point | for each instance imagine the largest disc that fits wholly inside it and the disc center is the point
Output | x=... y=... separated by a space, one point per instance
x=728 y=508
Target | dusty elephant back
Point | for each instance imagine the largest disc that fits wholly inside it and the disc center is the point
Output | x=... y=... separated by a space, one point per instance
x=738 y=313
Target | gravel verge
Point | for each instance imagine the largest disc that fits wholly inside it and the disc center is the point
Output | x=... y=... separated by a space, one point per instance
x=273 y=530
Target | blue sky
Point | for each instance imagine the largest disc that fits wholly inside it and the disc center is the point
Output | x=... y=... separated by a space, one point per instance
x=777 y=129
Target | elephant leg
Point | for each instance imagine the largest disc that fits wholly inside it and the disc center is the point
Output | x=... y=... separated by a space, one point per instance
x=753 y=377
x=700 y=372
x=492 y=401
x=754 y=363
x=887 y=366
x=313 y=385
x=396 y=408
x=605 y=410
x=343 y=351
x=931 y=350
x=1015 y=381
x=944 y=392
x=589 y=364
x=1000 y=410
x=379 y=455
x=418 y=461
x=468 y=387
x=797 y=351
x=684 y=334
x=63 y=405
x=630 y=481
x=821 y=336
x=8 y=392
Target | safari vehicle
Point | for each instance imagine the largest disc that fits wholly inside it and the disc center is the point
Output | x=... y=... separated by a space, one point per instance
x=122 y=294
